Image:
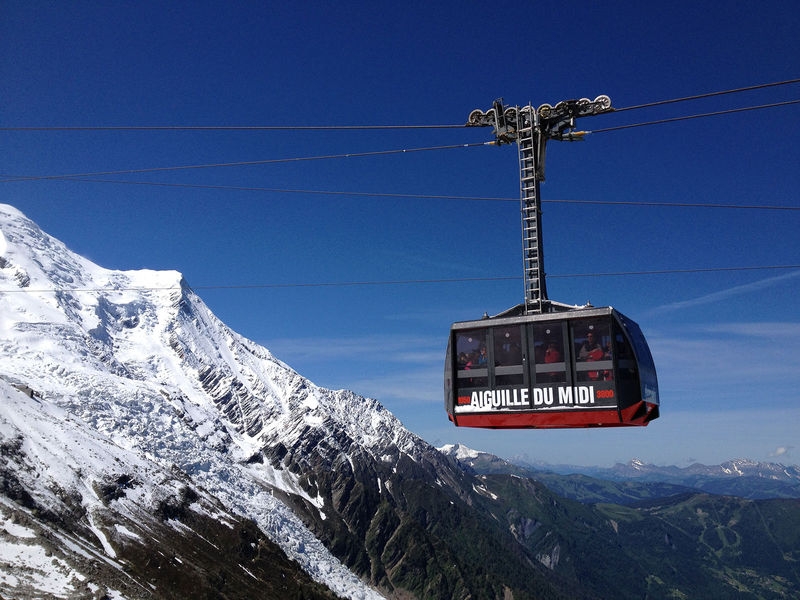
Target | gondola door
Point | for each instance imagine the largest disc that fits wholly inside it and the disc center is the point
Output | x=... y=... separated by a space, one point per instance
x=491 y=381
x=573 y=380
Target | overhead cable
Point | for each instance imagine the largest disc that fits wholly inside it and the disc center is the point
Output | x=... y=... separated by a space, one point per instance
x=245 y=163
x=708 y=95
x=698 y=116
x=9 y=178
x=674 y=271
x=398 y=282
x=476 y=279
x=358 y=127
x=228 y=127
x=241 y=188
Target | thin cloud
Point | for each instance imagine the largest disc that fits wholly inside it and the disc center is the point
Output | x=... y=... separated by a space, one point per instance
x=738 y=364
x=367 y=349
x=781 y=451
x=393 y=369
x=726 y=294
x=408 y=386
x=768 y=330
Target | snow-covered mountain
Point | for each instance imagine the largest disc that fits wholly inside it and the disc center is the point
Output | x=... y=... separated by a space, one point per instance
x=148 y=451
x=142 y=411
x=739 y=477
x=139 y=359
x=736 y=468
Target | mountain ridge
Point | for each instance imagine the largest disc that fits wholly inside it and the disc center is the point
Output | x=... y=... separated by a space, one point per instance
x=138 y=357
x=181 y=452
x=743 y=478
x=144 y=340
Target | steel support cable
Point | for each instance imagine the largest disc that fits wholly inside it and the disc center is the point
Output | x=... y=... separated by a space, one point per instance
x=256 y=286
x=675 y=271
x=708 y=95
x=357 y=127
x=10 y=178
x=698 y=116
x=241 y=188
x=477 y=279
x=228 y=127
x=7 y=178
x=244 y=163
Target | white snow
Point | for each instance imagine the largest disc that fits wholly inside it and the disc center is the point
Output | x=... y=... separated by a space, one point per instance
x=115 y=359
x=127 y=532
x=26 y=564
x=460 y=451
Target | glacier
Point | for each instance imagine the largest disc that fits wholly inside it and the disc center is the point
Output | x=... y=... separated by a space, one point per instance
x=139 y=361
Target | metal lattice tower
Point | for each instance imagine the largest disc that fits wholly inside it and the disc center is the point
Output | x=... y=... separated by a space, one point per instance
x=531 y=128
x=530 y=207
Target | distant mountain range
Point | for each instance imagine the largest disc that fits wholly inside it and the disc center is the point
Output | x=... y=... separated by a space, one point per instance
x=740 y=477
x=148 y=451
x=635 y=480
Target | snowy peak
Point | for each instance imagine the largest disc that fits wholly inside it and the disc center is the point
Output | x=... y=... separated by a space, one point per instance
x=150 y=326
x=459 y=451
x=736 y=468
x=51 y=292
x=139 y=358
x=46 y=263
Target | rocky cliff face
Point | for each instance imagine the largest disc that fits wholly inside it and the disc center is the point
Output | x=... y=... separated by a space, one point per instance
x=81 y=517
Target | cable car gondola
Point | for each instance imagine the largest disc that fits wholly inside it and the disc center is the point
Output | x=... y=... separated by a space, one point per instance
x=544 y=364
x=586 y=367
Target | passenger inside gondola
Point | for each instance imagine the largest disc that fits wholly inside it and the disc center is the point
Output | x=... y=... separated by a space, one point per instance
x=482 y=359
x=507 y=349
x=549 y=354
x=552 y=354
x=590 y=349
x=594 y=346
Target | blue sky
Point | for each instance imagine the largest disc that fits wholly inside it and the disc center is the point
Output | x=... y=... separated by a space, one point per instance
x=257 y=244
